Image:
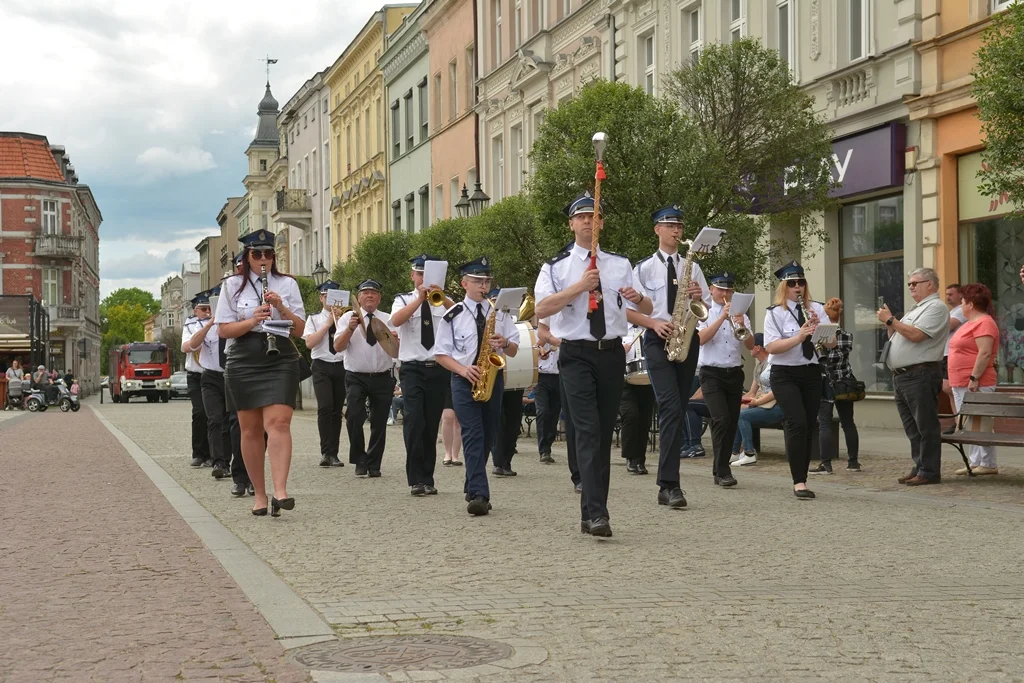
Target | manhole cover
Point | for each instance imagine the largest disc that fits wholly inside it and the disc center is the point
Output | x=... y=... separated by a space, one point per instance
x=401 y=653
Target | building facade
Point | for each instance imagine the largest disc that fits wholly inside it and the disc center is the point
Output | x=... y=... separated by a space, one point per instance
x=217 y=251
x=405 y=65
x=358 y=133
x=49 y=248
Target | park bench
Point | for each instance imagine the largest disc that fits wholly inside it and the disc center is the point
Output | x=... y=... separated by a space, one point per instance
x=982 y=410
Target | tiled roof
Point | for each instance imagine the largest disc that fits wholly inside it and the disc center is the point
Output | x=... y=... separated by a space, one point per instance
x=27 y=156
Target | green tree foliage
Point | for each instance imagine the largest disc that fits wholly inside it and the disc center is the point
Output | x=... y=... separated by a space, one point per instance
x=123 y=323
x=1001 y=105
x=446 y=239
x=509 y=234
x=129 y=295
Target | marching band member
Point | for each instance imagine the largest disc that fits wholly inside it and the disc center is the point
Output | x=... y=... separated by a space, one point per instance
x=636 y=410
x=262 y=387
x=591 y=357
x=201 y=317
x=796 y=372
x=721 y=372
x=658 y=276
x=212 y=357
x=544 y=336
x=328 y=377
x=547 y=396
x=457 y=348
x=424 y=381
x=239 y=476
x=369 y=374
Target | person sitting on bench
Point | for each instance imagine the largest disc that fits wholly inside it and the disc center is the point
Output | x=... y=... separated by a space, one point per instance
x=759 y=407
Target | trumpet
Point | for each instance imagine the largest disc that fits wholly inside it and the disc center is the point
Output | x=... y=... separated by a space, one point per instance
x=526 y=308
x=739 y=331
x=435 y=297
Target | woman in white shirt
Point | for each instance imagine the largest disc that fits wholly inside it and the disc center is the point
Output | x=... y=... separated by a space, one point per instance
x=262 y=387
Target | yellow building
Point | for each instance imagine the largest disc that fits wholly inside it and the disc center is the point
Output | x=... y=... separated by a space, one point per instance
x=358 y=145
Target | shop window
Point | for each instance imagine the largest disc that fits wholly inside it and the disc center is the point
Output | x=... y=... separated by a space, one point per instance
x=871 y=267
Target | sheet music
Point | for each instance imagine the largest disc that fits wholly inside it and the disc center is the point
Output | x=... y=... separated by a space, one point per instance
x=740 y=303
x=338 y=297
x=707 y=239
x=279 y=328
x=434 y=273
x=824 y=333
x=510 y=299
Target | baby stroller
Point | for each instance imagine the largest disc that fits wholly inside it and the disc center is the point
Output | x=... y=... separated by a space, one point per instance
x=15 y=398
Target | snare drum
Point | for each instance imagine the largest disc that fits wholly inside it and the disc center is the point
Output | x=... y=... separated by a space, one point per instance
x=521 y=371
x=636 y=366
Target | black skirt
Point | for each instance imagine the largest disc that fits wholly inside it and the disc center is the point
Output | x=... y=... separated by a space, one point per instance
x=252 y=379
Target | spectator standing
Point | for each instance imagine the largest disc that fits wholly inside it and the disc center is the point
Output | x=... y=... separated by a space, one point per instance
x=836 y=362
x=15 y=372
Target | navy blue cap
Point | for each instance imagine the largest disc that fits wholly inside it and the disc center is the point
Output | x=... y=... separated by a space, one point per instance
x=582 y=204
x=790 y=270
x=330 y=284
x=481 y=267
x=668 y=214
x=238 y=257
x=201 y=299
x=213 y=291
x=759 y=339
x=368 y=285
x=418 y=261
x=724 y=280
x=258 y=239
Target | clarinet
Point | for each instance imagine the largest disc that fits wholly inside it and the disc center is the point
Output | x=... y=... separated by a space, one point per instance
x=271 y=339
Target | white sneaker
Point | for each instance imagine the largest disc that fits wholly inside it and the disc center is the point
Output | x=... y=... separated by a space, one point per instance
x=391 y=421
x=747 y=459
x=735 y=457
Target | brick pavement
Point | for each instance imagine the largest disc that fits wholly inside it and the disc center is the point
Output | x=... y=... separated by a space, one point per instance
x=747 y=583
x=102 y=580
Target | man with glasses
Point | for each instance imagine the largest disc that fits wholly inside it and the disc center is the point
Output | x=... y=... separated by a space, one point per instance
x=199 y=322
x=914 y=354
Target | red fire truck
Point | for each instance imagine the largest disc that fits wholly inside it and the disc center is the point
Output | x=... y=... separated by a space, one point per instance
x=140 y=369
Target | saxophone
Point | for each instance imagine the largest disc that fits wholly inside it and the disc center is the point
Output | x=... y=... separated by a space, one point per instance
x=686 y=313
x=489 y=362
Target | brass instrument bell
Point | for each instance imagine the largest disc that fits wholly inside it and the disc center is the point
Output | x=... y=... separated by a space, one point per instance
x=435 y=297
x=526 y=309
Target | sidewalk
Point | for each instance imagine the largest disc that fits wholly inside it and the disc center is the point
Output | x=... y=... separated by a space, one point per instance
x=103 y=580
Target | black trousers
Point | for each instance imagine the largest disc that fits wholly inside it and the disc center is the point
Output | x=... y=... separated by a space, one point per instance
x=797 y=388
x=593 y=386
x=547 y=396
x=570 y=435
x=723 y=395
x=828 y=434
x=329 y=388
x=239 y=475
x=509 y=422
x=636 y=409
x=423 y=392
x=379 y=388
x=218 y=430
x=200 y=439
x=673 y=384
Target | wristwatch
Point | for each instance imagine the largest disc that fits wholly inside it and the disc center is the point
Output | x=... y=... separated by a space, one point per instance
x=972 y=378
x=889 y=321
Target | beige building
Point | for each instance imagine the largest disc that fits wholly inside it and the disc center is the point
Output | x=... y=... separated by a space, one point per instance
x=216 y=251
x=358 y=145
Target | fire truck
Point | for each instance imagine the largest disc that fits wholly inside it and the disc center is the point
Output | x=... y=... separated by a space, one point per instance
x=140 y=369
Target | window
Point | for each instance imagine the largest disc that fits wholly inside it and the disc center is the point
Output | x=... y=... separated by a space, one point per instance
x=325 y=107
x=348 y=149
x=396 y=215
x=496 y=57
x=410 y=213
x=566 y=8
x=327 y=243
x=316 y=168
x=785 y=31
x=348 y=234
x=1000 y=5
x=305 y=170
x=410 y=131
x=305 y=121
x=498 y=160
x=517 y=24
x=647 y=55
x=380 y=127
x=858 y=29
x=423 y=104
x=517 y=160
x=51 y=222
x=359 y=228
x=396 y=130
x=871 y=266
x=470 y=75
x=439 y=202
x=424 y=208
x=369 y=219
x=380 y=216
x=359 y=141
x=539 y=10
x=537 y=119
x=366 y=117
x=265 y=214
x=694 y=31
x=327 y=165
x=453 y=90
x=51 y=286
x=312 y=113
x=737 y=20
x=453 y=196
x=263 y=165
x=438 y=114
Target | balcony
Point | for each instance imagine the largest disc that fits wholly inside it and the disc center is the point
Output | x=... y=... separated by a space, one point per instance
x=59 y=246
x=65 y=315
x=294 y=208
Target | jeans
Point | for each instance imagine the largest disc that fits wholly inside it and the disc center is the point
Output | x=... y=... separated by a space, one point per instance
x=917 y=401
x=694 y=424
x=750 y=418
x=828 y=435
x=396 y=408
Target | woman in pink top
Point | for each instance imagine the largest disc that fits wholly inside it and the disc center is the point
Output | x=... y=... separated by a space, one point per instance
x=971 y=363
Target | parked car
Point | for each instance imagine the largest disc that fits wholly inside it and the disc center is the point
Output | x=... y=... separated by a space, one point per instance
x=104 y=382
x=179 y=384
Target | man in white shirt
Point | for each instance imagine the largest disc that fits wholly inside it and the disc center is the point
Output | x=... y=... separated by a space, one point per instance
x=956 y=319
x=213 y=358
x=547 y=398
x=369 y=374
x=202 y=317
x=328 y=377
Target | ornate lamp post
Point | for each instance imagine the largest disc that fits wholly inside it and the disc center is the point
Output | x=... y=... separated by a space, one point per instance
x=479 y=200
x=462 y=207
x=320 y=274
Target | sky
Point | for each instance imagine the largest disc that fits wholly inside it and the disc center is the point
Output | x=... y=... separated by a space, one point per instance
x=155 y=102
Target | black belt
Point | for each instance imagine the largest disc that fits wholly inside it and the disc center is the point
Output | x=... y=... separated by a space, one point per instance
x=917 y=366
x=602 y=345
x=371 y=374
x=214 y=372
x=191 y=372
x=329 y=362
x=717 y=368
x=421 y=363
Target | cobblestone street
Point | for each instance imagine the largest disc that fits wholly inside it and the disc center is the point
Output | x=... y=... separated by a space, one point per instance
x=749 y=583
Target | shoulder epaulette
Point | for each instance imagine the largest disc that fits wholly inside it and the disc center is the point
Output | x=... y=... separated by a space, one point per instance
x=557 y=257
x=771 y=307
x=450 y=315
x=612 y=253
x=643 y=261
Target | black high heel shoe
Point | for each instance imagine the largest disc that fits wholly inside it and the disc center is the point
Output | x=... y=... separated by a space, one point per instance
x=283 y=504
x=260 y=512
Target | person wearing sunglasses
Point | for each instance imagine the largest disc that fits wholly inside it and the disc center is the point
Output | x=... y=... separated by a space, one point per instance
x=193 y=331
x=796 y=377
x=262 y=387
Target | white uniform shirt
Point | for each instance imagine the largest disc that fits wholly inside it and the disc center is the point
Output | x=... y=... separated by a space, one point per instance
x=359 y=355
x=636 y=350
x=652 y=274
x=549 y=365
x=209 y=355
x=322 y=351
x=456 y=336
x=411 y=347
x=565 y=270
x=957 y=313
x=780 y=323
x=189 y=328
x=233 y=308
x=723 y=350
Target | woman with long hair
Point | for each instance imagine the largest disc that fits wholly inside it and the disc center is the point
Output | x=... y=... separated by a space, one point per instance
x=796 y=373
x=836 y=364
x=262 y=386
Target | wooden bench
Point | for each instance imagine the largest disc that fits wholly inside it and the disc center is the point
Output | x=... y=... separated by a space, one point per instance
x=985 y=408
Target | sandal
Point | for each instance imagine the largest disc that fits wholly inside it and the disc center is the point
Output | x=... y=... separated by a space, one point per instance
x=447 y=463
x=457 y=463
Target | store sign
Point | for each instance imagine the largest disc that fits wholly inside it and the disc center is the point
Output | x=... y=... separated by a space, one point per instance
x=868 y=161
x=973 y=205
x=14 y=315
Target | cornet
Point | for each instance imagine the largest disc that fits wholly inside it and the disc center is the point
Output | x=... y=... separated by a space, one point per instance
x=435 y=297
x=740 y=332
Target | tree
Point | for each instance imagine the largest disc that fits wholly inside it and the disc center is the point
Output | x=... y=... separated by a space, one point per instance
x=132 y=296
x=123 y=323
x=382 y=256
x=172 y=337
x=509 y=234
x=1001 y=106
x=446 y=239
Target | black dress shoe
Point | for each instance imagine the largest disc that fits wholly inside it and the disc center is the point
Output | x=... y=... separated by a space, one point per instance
x=641 y=468
x=219 y=472
x=335 y=462
x=430 y=490
x=207 y=463
x=585 y=526
x=277 y=505
x=498 y=472
x=196 y=462
x=579 y=487
x=727 y=481
x=360 y=471
x=478 y=506
x=546 y=458
x=510 y=473
x=374 y=474
x=238 y=490
x=631 y=466
x=673 y=498
x=419 y=490
x=325 y=461
x=601 y=528
x=803 y=494
x=251 y=490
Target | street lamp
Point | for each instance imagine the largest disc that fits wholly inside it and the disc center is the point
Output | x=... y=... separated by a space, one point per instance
x=462 y=206
x=320 y=274
x=479 y=200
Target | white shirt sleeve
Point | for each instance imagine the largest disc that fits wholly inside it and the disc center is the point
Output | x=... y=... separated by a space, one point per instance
x=771 y=329
x=310 y=327
x=637 y=285
x=226 y=311
x=544 y=286
x=293 y=298
x=444 y=344
x=342 y=323
x=509 y=329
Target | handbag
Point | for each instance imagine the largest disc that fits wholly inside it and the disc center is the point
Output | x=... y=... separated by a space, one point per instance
x=848 y=389
x=305 y=369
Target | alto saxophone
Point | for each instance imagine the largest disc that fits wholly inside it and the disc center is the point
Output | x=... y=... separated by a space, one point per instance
x=489 y=362
x=272 y=349
x=685 y=314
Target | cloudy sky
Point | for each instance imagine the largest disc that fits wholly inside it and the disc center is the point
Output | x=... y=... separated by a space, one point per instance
x=155 y=102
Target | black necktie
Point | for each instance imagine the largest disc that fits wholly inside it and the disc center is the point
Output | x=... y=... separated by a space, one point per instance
x=481 y=323
x=673 y=285
x=426 y=327
x=221 y=353
x=806 y=346
x=330 y=338
x=371 y=338
x=597 y=326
